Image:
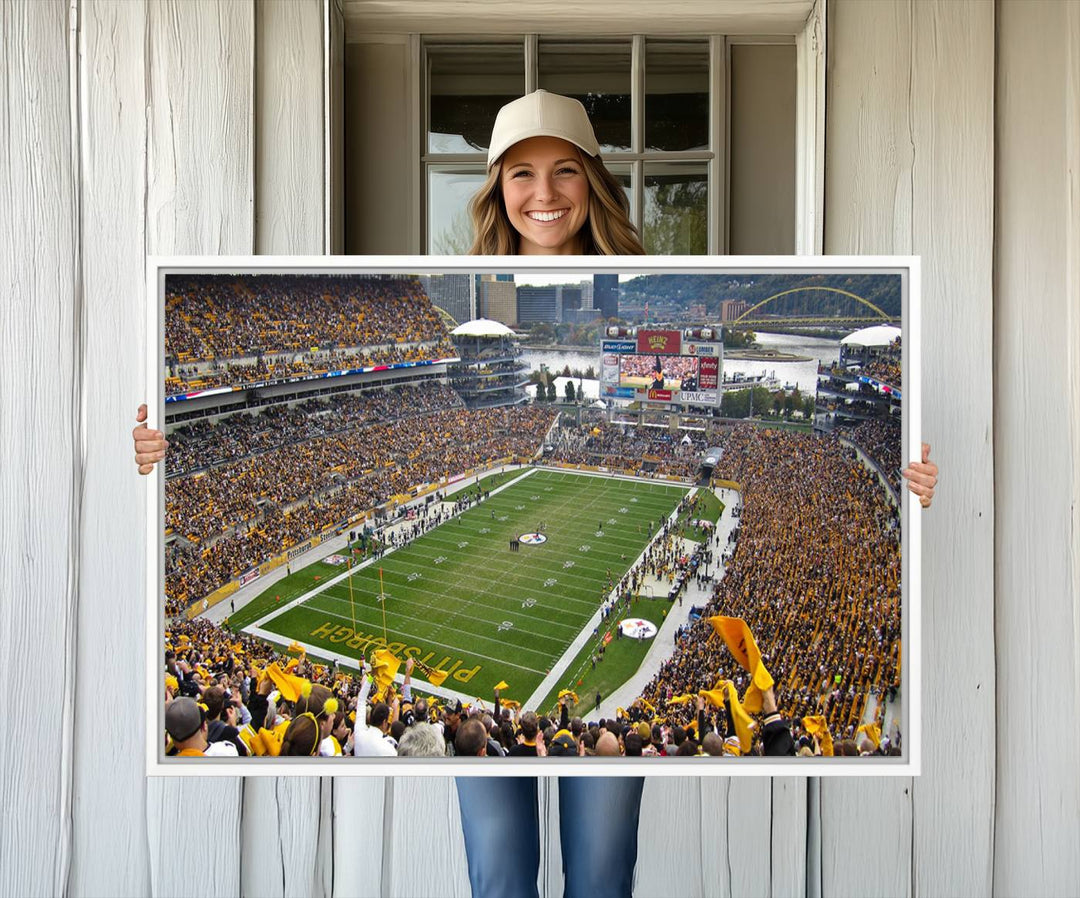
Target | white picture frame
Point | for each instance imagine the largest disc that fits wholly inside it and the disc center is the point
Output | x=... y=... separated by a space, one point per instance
x=909 y=764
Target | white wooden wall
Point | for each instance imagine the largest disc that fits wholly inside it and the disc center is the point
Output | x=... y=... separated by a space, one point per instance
x=953 y=132
x=1037 y=450
x=910 y=169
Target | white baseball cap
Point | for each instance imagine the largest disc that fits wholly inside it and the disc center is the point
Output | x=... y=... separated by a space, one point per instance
x=541 y=114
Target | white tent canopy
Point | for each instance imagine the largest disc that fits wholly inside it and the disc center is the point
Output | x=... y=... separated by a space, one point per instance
x=875 y=335
x=482 y=327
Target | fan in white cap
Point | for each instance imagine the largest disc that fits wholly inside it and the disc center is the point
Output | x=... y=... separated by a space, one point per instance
x=541 y=114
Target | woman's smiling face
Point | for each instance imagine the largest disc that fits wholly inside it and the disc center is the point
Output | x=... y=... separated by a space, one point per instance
x=546 y=195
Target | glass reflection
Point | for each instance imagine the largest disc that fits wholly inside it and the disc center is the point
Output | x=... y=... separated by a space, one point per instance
x=449 y=192
x=676 y=208
x=597 y=74
x=467 y=85
x=676 y=95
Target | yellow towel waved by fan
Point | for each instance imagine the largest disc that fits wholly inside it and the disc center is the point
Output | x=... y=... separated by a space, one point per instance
x=740 y=642
x=816 y=725
x=385 y=666
x=714 y=697
x=502 y=684
x=569 y=692
x=289 y=685
x=744 y=726
x=872 y=732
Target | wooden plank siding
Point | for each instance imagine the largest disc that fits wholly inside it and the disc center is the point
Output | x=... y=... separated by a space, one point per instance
x=285 y=823
x=41 y=436
x=112 y=859
x=1036 y=373
x=200 y=198
x=180 y=127
x=909 y=170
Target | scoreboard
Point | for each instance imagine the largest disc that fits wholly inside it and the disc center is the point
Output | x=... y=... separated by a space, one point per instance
x=669 y=367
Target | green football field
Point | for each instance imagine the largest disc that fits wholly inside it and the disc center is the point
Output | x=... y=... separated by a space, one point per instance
x=460 y=600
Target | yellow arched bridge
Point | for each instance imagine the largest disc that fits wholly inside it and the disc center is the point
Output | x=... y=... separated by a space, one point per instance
x=872 y=316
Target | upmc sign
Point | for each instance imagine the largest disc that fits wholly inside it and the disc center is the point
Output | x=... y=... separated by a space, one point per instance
x=659 y=342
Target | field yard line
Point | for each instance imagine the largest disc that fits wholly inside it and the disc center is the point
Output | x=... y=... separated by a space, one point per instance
x=554 y=568
x=399 y=632
x=539 y=591
x=470 y=602
x=481 y=620
x=277 y=637
x=611 y=475
x=288 y=606
x=559 y=667
x=558 y=509
x=616 y=542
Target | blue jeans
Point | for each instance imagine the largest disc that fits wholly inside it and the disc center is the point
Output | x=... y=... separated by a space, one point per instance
x=598 y=823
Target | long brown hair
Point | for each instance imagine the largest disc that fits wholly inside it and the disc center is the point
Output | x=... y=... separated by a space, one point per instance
x=608 y=230
x=302 y=737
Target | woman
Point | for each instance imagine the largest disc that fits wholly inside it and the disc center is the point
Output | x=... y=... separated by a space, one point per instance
x=547 y=193
x=301 y=739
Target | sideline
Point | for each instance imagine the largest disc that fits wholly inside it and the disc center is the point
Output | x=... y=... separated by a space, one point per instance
x=664 y=642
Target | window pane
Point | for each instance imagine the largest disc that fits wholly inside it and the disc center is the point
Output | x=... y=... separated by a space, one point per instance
x=676 y=95
x=623 y=175
x=467 y=85
x=449 y=192
x=597 y=74
x=676 y=208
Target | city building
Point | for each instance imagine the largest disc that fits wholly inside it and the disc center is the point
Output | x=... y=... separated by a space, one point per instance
x=730 y=309
x=450 y=292
x=586 y=294
x=536 y=305
x=496 y=298
x=606 y=294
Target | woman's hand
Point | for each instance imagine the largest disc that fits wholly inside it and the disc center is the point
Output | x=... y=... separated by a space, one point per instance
x=922 y=477
x=149 y=444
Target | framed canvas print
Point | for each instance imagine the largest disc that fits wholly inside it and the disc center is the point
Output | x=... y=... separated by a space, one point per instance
x=567 y=516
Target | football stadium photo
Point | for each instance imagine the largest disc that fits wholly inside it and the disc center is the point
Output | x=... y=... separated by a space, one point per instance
x=549 y=515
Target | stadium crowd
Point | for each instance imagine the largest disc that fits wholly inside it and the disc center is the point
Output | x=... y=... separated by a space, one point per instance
x=813 y=569
x=886 y=370
x=650 y=449
x=880 y=439
x=207 y=445
x=229 y=695
x=242 y=512
x=815 y=573
x=229 y=330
